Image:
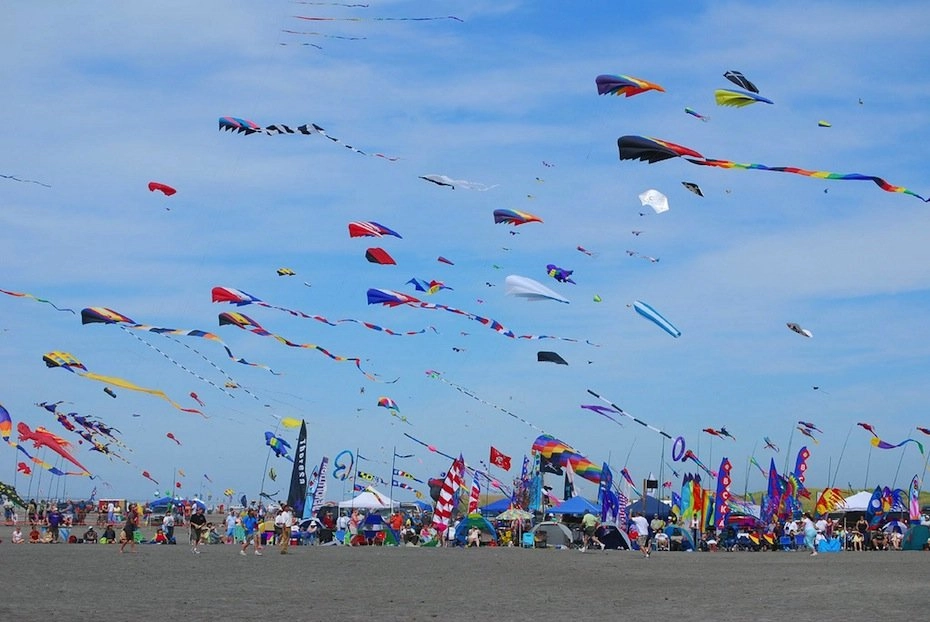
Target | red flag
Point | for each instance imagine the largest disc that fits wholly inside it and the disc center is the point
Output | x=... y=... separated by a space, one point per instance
x=500 y=460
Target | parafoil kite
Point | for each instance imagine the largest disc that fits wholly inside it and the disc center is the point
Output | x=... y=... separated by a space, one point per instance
x=559 y=274
x=359 y=229
x=824 y=124
x=392 y=298
x=654 y=199
x=656 y=318
x=68 y=362
x=736 y=98
x=278 y=445
x=559 y=454
x=654 y=150
x=37 y=299
x=741 y=81
x=244 y=126
x=514 y=217
x=379 y=256
x=386 y=402
x=544 y=356
x=285 y=272
x=290 y=422
x=163 y=188
x=693 y=188
x=524 y=287
x=624 y=85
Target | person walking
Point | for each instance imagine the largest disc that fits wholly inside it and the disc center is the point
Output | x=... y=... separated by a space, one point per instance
x=589 y=524
x=287 y=519
x=250 y=526
x=810 y=533
x=129 y=529
x=198 y=524
x=642 y=533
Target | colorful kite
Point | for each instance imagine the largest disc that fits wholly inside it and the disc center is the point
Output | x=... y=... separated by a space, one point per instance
x=604 y=411
x=41 y=437
x=736 y=98
x=23 y=295
x=741 y=81
x=278 y=445
x=696 y=114
x=620 y=411
x=165 y=189
x=390 y=298
x=559 y=454
x=368 y=229
x=879 y=443
x=246 y=323
x=824 y=124
x=808 y=433
x=66 y=361
x=430 y=287
x=290 y=422
x=654 y=150
x=386 y=402
x=524 y=287
x=514 y=217
x=22 y=467
x=285 y=272
x=244 y=126
x=690 y=455
x=10 y=493
x=656 y=318
x=559 y=274
x=624 y=85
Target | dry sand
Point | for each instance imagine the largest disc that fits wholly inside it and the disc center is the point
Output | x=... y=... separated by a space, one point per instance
x=335 y=583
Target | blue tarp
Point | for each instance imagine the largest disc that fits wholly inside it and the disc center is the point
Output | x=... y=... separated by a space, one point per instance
x=575 y=505
x=493 y=509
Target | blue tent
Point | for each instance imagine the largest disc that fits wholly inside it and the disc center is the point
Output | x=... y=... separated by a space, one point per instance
x=575 y=505
x=649 y=506
x=493 y=509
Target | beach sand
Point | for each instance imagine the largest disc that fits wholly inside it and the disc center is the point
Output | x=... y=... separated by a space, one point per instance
x=336 y=583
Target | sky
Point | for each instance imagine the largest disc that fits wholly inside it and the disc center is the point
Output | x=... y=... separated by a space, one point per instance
x=103 y=98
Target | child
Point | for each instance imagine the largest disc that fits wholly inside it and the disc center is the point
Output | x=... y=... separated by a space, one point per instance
x=17 y=535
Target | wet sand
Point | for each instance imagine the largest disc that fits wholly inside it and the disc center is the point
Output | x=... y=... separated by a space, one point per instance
x=338 y=583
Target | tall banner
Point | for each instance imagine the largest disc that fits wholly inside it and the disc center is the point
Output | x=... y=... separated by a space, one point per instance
x=722 y=498
x=320 y=493
x=297 y=494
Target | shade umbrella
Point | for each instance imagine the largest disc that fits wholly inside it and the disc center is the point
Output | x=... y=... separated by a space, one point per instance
x=514 y=514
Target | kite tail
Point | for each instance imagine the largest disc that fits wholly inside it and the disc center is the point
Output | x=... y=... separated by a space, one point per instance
x=37 y=299
x=125 y=384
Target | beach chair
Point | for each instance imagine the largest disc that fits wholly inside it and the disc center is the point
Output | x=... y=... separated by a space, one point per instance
x=528 y=540
x=799 y=541
x=785 y=543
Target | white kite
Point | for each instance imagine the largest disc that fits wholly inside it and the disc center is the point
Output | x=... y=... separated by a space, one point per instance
x=524 y=287
x=799 y=330
x=655 y=199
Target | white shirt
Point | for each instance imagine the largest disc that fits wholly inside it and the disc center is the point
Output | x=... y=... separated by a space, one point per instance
x=343 y=523
x=231 y=521
x=284 y=518
x=642 y=525
x=167 y=521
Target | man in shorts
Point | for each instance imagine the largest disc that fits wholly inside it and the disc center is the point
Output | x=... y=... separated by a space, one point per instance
x=642 y=533
x=250 y=526
x=198 y=527
x=589 y=525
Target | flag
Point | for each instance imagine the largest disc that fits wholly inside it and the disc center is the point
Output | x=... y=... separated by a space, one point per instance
x=320 y=493
x=446 y=503
x=297 y=493
x=499 y=459
x=606 y=496
x=914 y=505
x=475 y=496
x=722 y=498
x=829 y=500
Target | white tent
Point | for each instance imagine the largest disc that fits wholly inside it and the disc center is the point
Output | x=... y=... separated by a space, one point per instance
x=859 y=502
x=370 y=501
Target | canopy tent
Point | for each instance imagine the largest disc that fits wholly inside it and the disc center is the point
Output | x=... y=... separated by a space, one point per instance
x=575 y=505
x=496 y=507
x=858 y=502
x=648 y=507
x=369 y=501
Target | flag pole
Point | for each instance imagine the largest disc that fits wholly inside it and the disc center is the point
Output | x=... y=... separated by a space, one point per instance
x=393 y=471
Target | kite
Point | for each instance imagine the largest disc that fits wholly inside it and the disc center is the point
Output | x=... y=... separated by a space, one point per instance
x=654 y=199
x=66 y=361
x=924 y=430
x=246 y=323
x=769 y=444
x=10 y=493
x=109 y=392
x=442 y=180
x=379 y=256
x=828 y=501
x=285 y=272
x=244 y=126
x=442 y=259
x=799 y=330
x=376 y=19
x=693 y=188
x=24 y=181
x=733 y=97
x=868 y=427
x=604 y=411
x=695 y=113
x=597 y=298
x=624 y=85
x=278 y=445
x=877 y=442
x=723 y=432
x=173 y=437
x=22 y=467
x=655 y=317
x=741 y=81
x=523 y=287
x=559 y=454
x=386 y=402
x=361 y=229
x=712 y=432
x=197 y=399
x=585 y=251
x=273 y=474
x=290 y=422
x=807 y=432
x=689 y=455
x=41 y=437
x=810 y=426
x=824 y=124
x=430 y=287
x=102 y=315
x=241 y=298
x=653 y=150
x=514 y=217
x=620 y=411
x=148 y=476
x=550 y=357
x=342 y=470
x=165 y=189
x=392 y=298
x=559 y=274
x=23 y=295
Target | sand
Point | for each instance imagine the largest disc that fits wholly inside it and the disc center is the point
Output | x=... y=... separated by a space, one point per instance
x=336 y=583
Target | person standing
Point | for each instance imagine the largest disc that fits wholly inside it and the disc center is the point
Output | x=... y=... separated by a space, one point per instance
x=642 y=533
x=695 y=528
x=286 y=519
x=167 y=524
x=111 y=513
x=198 y=524
x=129 y=529
x=53 y=522
x=231 y=527
x=250 y=526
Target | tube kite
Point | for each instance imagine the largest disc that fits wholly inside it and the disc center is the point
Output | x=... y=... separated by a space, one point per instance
x=656 y=318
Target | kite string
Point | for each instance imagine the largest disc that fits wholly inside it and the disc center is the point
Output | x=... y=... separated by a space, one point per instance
x=438 y=376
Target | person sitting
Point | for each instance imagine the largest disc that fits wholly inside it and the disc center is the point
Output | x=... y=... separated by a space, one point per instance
x=160 y=537
x=17 y=535
x=662 y=541
x=90 y=536
x=309 y=535
x=878 y=541
x=857 y=539
x=895 y=540
x=34 y=535
x=474 y=537
x=109 y=535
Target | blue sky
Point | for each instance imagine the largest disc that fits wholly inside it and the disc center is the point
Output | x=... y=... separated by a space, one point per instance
x=105 y=97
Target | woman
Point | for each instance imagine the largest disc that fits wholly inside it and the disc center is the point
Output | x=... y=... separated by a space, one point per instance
x=862 y=529
x=810 y=532
x=129 y=529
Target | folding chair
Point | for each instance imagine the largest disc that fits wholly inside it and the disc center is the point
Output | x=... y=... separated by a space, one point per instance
x=527 y=541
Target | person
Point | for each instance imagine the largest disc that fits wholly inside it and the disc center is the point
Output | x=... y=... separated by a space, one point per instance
x=474 y=537
x=17 y=535
x=309 y=535
x=34 y=535
x=589 y=524
x=159 y=537
x=862 y=528
x=250 y=526
x=285 y=519
x=230 y=527
x=167 y=524
x=198 y=523
x=109 y=535
x=642 y=531
x=53 y=521
x=695 y=527
x=129 y=529
x=354 y=521
x=90 y=536
x=330 y=524
x=810 y=532
x=111 y=512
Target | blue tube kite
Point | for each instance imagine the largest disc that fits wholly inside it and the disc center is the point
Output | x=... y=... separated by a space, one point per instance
x=654 y=316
